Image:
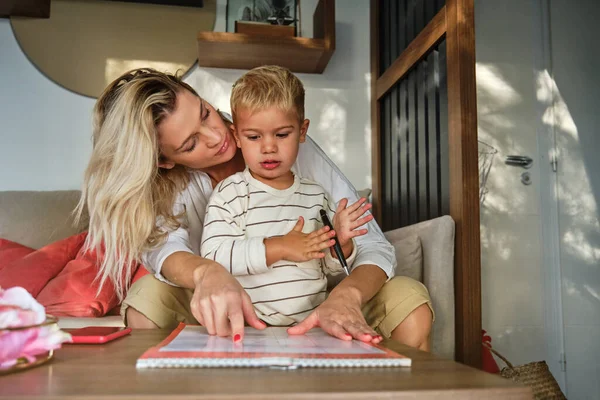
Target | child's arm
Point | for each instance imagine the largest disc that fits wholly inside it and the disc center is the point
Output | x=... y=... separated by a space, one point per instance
x=345 y=222
x=224 y=240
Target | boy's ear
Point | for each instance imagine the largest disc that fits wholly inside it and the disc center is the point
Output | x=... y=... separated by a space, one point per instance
x=304 y=129
x=235 y=135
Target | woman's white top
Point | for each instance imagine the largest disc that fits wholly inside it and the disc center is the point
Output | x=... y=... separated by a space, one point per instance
x=312 y=164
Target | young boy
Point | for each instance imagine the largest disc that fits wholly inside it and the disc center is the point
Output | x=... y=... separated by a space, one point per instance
x=263 y=224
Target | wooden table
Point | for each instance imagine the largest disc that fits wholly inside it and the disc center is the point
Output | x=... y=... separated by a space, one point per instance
x=108 y=372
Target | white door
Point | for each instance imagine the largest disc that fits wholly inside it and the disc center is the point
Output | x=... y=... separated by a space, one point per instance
x=513 y=307
x=575 y=66
x=538 y=80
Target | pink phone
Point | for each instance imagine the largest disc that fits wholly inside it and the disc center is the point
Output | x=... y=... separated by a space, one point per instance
x=98 y=334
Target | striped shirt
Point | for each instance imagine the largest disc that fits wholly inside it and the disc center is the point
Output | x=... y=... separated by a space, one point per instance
x=241 y=213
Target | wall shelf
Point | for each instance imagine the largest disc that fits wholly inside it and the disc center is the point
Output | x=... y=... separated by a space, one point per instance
x=299 y=54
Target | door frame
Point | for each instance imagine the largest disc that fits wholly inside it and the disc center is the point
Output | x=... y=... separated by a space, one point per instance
x=549 y=212
x=455 y=23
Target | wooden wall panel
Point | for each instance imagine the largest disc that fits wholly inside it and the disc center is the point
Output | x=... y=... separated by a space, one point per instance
x=425 y=136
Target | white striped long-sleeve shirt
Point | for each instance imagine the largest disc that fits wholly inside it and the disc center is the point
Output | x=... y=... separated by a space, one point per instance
x=241 y=213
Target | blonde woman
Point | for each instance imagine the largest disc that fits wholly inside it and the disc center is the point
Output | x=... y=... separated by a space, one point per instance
x=159 y=150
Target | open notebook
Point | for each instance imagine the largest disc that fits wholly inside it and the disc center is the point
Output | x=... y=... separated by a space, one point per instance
x=190 y=346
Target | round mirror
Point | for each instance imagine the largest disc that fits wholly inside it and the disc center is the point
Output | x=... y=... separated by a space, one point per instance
x=86 y=44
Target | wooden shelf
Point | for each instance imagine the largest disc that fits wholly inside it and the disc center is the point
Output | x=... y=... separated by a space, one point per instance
x=244 y=51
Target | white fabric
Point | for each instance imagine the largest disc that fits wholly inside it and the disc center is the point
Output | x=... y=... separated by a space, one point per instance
x=312 y=164
x=241 y=213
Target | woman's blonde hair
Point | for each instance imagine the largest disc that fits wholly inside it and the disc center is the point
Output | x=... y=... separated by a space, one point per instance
x=268 y=86
x=125 y=191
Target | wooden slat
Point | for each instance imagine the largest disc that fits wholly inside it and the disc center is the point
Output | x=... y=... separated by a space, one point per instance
x=417 y=49
x=423 y=163
x=403 y=143
x=433 y=133
x=464 y=189
x=444 y=147
x=375 y=114
x=413 y=151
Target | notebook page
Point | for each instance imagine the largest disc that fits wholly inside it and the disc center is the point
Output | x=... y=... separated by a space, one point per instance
x=269 y=340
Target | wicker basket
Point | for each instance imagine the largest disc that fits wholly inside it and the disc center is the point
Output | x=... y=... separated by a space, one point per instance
x=536 y=375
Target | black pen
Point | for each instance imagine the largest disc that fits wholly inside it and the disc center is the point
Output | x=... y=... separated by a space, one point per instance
x=336 y=246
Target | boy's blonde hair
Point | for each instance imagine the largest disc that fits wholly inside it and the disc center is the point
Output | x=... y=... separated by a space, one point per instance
x=268 y=86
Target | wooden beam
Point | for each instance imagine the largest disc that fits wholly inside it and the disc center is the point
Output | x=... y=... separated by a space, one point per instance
x=431 y=35
x=464 y=177
x=375 y=114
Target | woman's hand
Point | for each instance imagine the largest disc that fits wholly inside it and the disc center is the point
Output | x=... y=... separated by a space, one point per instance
x=298 y=246
x=340 y=316
x=221 y=304
x=348 y=218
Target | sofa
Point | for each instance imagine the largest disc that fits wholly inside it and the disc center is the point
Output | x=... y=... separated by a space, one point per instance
x=425 y=251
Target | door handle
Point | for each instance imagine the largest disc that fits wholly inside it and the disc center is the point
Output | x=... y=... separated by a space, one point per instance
x=519 y=161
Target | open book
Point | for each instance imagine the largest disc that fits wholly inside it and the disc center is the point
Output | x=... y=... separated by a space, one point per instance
x=190 y=346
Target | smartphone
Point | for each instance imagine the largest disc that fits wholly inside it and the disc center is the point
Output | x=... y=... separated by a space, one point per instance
x=98 y=334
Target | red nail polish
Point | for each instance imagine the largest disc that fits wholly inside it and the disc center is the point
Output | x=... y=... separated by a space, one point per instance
x=237 y=338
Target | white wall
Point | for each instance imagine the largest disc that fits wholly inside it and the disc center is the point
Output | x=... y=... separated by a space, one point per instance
x=45 y=130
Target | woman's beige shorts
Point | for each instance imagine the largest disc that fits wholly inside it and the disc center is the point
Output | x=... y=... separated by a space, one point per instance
x=167 y=305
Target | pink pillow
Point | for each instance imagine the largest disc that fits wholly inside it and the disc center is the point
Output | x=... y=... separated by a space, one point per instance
x=34 y=270
x=11 y=251
x=74 y=291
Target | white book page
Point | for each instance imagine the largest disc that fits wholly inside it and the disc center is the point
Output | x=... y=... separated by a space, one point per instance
x=269 y=340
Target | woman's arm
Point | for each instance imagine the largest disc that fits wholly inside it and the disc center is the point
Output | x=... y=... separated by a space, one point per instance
x=219 y=302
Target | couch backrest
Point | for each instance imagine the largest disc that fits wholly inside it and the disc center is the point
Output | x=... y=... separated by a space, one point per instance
x=437 y=241
x=35 y=219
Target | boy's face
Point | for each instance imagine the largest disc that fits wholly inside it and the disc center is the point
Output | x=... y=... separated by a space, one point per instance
x=269 y=140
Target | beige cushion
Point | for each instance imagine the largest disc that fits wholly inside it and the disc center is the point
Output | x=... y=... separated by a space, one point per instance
x=409 y=256
x=437 y=242
x=35 y=219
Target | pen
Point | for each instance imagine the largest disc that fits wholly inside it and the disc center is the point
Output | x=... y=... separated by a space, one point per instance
x=336 y=246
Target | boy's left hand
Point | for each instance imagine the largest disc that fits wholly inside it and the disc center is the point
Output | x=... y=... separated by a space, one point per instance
x=348 y=218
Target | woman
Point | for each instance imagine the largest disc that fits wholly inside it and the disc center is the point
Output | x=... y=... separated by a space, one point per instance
x=159 y=150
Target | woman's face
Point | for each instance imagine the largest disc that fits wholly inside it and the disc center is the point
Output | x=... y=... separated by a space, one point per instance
x=194 y=135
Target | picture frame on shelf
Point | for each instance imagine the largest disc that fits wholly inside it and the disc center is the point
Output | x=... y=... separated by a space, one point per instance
x=252 y=13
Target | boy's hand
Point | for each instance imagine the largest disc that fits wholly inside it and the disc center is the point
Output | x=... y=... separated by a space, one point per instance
x=348 y=218
x=298 y=246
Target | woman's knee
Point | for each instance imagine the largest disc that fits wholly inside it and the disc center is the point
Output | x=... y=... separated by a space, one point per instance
x=415 y=330
x=151 y=303
x=136 y=320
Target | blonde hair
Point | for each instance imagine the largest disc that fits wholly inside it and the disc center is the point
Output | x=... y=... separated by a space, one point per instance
x=268 y=86
x=125 y=191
